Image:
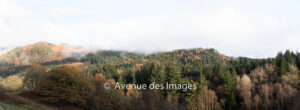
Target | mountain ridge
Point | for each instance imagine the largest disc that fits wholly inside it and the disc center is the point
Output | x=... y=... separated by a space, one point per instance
x=39 y=52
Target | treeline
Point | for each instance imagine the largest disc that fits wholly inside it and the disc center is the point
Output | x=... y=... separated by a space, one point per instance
x=12 y=69
x=222 y=82
x=237 y=83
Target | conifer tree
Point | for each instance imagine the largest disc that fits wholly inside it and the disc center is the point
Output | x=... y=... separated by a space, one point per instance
x=230 y=91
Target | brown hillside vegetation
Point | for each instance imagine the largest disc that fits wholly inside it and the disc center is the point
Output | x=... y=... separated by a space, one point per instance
x=65 y=85
x=37 y=53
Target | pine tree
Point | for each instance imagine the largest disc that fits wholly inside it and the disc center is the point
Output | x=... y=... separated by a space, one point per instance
x=230 y=91
x=143 y=76
x=202 y=79
x=288 y=55
x=283 y=68
x=298 y=61
x=173 y=75
x=281 y=63
x=173 y=72
x=158 y=74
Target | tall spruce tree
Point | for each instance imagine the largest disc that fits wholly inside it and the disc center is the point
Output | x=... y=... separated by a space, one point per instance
x=230 y=91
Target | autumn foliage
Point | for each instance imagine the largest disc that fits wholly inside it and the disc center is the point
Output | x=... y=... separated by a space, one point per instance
x=223 y=83
x=33 y=76
x=65 y=85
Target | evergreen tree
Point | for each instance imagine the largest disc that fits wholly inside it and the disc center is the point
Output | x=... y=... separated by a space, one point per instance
x=158 y=74
x=230 y=91
x=281 y=64
x=219 y=69
x=202 y=79
x=289 y=56
x=298 y=61
x=143 y=76
x=173 y=72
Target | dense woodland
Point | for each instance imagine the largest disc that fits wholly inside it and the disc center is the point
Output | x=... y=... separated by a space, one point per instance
x=229 y=83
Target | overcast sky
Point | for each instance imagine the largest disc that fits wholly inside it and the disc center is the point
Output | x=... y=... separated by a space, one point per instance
x=253 y=28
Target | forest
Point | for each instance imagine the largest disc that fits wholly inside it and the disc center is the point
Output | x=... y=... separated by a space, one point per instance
x=223 y=82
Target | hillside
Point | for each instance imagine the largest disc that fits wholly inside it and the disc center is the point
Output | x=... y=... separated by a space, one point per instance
x=39 y=52
x=229 y=82
x=42 y=52
x=195 y=55
x=17 y=60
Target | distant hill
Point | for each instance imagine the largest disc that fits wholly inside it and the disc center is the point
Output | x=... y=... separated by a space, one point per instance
x=39 y=52
x=195 y=55
x=200 y=56
x=18 y=59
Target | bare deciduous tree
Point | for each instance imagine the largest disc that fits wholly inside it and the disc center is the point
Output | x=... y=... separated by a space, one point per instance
x=244 y=86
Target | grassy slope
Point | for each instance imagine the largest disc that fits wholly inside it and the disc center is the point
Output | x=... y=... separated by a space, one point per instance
x=15 y=102
x=9 y=106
